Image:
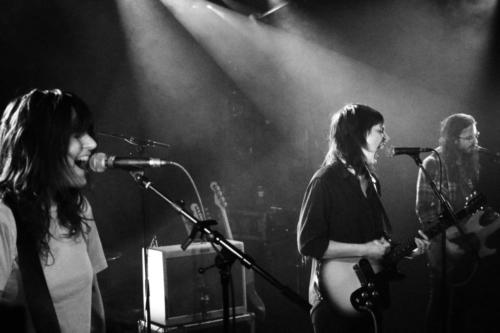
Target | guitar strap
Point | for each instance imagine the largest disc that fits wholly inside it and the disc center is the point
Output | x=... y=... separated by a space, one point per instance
x=36 y=292
x=386 y=223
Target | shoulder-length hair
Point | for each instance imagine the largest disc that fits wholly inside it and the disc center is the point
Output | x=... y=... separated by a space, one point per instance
x=35 y=132
x=348 y=130
x=450 y=130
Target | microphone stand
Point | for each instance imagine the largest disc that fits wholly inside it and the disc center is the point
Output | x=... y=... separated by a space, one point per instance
x=229 y=252
x=141 y=144
x=145 y=256
x=449 y=214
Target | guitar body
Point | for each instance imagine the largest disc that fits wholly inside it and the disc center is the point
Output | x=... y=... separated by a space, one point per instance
x=480 y=226
x=471 y=247
x=349 y=283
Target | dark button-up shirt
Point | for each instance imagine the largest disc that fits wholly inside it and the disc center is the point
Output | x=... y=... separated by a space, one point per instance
x=335 y=208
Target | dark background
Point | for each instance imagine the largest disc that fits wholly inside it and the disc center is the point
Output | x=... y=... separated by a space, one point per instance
x=246 y=103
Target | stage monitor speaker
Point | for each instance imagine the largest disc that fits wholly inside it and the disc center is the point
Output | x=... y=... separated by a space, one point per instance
x=180 y=294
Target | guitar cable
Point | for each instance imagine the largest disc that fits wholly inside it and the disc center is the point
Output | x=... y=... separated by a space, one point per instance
x=373 y=316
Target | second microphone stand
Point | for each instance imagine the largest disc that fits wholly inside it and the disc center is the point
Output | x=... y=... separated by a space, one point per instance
x=229 y=252
x=449 y=214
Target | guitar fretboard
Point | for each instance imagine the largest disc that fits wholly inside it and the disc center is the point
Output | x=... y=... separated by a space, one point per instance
x=405 y=249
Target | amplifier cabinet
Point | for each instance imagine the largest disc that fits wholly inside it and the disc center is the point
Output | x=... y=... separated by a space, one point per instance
x=180 y=294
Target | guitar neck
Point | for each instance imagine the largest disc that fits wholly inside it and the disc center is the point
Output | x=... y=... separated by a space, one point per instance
x=227 y=227
x=398 y=253
x=220 y=202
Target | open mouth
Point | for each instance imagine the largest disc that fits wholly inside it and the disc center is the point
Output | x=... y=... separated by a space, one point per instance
x=82 y=162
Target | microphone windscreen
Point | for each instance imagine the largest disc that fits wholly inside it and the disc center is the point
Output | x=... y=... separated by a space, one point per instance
x=97 y=162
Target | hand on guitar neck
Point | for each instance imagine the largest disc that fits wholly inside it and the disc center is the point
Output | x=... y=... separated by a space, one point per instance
x=422 y=245
x=355 y=284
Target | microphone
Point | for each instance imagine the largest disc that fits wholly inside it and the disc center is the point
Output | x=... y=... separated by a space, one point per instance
x=100 y=162
x=494 y=156
x=486 y=151
x=394 y=151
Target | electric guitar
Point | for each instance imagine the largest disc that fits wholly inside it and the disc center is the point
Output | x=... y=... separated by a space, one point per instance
x=197 y=213
x=221 y=203
x=252 y=295
x=196 y=210
x=470 y=247
x=353 y=285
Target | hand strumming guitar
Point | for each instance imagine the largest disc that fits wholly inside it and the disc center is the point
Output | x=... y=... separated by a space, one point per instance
x=453 y=249
x=377 y=248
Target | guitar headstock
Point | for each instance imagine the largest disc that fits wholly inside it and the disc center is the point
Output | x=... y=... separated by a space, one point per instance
x=219 y=199
x=195 y=209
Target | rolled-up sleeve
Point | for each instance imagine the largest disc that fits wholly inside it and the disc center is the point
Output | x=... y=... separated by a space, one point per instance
x=313 y=228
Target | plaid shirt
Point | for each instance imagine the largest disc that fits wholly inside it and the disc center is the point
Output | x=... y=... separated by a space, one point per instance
x=428 y=207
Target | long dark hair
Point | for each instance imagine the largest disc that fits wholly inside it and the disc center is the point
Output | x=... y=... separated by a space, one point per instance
x=348 y=130
x=35 y=132
x=451 y=127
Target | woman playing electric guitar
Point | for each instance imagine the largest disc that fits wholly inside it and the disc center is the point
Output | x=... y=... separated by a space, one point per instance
x=342 y=217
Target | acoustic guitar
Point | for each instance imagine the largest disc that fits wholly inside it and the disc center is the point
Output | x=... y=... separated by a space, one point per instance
x=472 y=246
